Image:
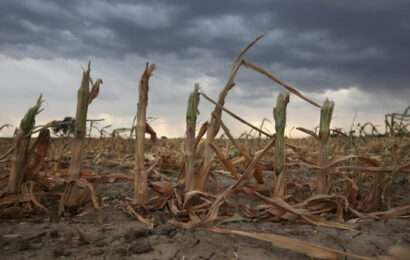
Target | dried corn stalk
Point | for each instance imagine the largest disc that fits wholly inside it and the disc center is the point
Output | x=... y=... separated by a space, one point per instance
x=140 y=177
x=243 y=121
x=84 y=99
x=244 y=152
x=274 y=79
x=324 y=132
x=279 y=114
x=21 y=151
x=191 y=116
x=213 y=127
x=311 y=250
x=38 y=153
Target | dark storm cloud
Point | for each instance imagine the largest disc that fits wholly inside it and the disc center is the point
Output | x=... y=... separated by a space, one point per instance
x=314 y=44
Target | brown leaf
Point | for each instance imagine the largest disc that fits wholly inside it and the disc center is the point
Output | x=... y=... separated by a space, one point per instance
x=95 y=90
x=148 y=222
x=292 y=244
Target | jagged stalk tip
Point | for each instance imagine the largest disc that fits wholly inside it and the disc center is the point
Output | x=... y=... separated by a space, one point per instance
x=29 y=119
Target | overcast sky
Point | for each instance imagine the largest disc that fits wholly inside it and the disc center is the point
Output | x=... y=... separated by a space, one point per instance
x=354 y=52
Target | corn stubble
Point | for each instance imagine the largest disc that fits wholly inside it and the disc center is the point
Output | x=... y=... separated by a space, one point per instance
x=279 y=162
x=140 y=177
x=85 y=97
x=21 y=154
x=326 y=112
x=190 y=140
x=263 y=166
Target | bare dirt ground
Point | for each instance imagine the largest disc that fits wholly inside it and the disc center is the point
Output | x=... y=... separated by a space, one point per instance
x=115 y=235
x=123 y=238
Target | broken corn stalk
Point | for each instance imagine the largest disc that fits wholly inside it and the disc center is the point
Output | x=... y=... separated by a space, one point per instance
x=21 y=151
x=326 y=113
x=191 y=117
x=140 y=176
x=279 y=114
x=84 y=99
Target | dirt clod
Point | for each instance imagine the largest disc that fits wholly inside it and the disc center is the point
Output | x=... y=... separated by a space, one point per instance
x=60 y=251
x=166 y=230
x=141 y=246
x=134 y=234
